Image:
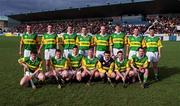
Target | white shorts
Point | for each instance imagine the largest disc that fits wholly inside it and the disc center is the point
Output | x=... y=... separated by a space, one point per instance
x=152 y=56
x=131 y=53
x=117 y=50
x=29 y=74
x=72 y=72
x=99 y=54
x=27 y=53
x=83 y=52
x=48 y=53
x=67 y=52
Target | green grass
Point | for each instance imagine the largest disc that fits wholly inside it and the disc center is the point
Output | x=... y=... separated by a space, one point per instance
x=166 y=92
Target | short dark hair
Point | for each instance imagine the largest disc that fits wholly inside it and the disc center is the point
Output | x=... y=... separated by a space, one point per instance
x=33 y=52
x=58 y=50
x=140 y=48
x=75 y=46
x=70 y=26
x=107 y=52
x=83 y=27
x=118 y=25
x=120 y=52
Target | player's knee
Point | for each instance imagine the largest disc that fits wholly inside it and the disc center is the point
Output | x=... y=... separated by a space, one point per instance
x=131 y=73
x=96 y=74
x=47 y=74
x=78 y=78
x=84 y=74
x=146 y=71
x=117 y=77
x=41 y=77
x=102 y=75
x=64 y=74
x=112 y=75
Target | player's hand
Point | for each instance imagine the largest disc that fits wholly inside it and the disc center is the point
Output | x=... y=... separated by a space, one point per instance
x=159 y=55
x=135 y=70
x=39 y=51
x=26 y=67
x=127 y=55
x=20 y=53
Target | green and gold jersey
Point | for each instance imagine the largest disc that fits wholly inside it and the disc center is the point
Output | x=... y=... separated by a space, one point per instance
x=49 y=41
x=152 y=43
x=33 y=65
x=29 y=41
x=102 y=42
x=134 y=42
x=118 y=40
x=84 y=42
x=121 y=66
x=90 y=64
x=69 y=41
x=75 y=61
x=61 y=63
x=139 y=62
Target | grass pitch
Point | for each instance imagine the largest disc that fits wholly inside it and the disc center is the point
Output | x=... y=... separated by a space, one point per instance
x=165 y=92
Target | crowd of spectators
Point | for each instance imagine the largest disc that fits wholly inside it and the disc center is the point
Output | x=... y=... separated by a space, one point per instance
x=162 y=24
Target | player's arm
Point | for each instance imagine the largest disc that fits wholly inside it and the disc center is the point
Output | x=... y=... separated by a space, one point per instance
x=144 y=43
x=23 y=63
x=77 y=41
x=159 y=47
x=37 y=42
x=111 y=68
x=94 y=43
x=57 y=42
x=84 y=64
x=111 y=45
x=127 y=48
x=38 y=69
x=42 y=42
x=100 y=68
x=145 y=65
x=128 y=68
x=21 y=46
x=132 y=64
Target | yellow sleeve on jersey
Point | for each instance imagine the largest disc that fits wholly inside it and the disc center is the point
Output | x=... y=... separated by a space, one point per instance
x=111 y=41
x=42 y=40
x=21 y=41
x=57 y=40
x=128 y=64
x=83 y=63
x=77 y=41
x=21 y=60
x=143 y=43
x=125 y=40
x=117 y=68
x=66 y=65
x=40 y=66
x=145 y=65
x=111 y=68
x=94 y=40
x=128 y=42
x=101 y=70
x=159 y=43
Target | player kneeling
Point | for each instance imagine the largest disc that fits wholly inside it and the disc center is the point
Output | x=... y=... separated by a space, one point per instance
x=90 y=66
x=107 y=67
x=75 y=64
x=59 y=67
x=139 y=64
x=32 y=69
x=122 y=68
